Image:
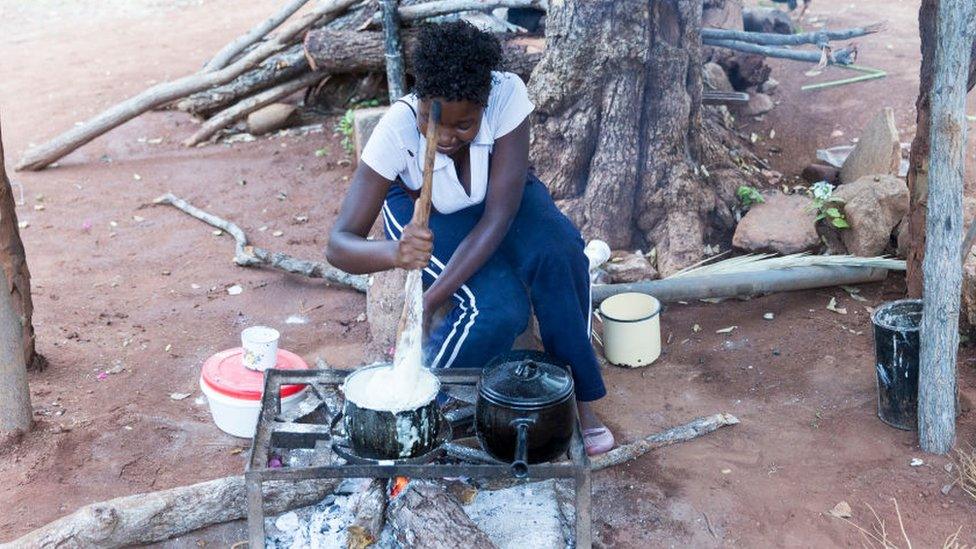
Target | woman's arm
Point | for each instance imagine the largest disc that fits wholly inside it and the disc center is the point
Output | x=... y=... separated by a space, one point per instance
x=509 y=165
x=348 y=247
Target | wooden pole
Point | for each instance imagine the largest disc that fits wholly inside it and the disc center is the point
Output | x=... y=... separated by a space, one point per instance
x=394 y=51
x=16 y=414
x=942 y=265
x=228 y=52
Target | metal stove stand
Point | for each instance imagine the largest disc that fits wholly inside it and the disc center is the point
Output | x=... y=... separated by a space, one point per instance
x=274 y=432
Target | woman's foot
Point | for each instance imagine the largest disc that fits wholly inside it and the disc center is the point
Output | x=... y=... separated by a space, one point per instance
x=597 y=438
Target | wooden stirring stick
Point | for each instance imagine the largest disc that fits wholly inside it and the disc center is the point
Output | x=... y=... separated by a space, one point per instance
x=413 y=289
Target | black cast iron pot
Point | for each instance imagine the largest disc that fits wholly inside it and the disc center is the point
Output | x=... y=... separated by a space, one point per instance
x=526 y=409
x=377 y=434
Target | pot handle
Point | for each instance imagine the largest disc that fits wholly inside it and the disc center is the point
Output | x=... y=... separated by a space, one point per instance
x=520 y=465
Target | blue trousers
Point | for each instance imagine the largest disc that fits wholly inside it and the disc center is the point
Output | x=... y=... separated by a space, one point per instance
x=540 y=260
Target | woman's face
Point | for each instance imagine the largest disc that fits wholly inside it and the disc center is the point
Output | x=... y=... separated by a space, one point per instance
x=460 y=122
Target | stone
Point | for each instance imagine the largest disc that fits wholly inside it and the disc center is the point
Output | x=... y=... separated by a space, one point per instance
x=364 y=121
x=769 y=86
x=626 y=267
x=784 y=224
x=723 y=14
x=878 y=150
x=821 y=172
x=270 y=118
x=759 y=103
x=768 y=20
x=873 y=206
x=902 y=237
x=715 y=77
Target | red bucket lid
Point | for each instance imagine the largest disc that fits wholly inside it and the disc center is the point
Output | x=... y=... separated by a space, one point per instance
x=225 y=373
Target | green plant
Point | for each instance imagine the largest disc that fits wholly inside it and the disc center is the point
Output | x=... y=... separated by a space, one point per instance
x=826 y=205
x=748 y=196
x=344 y=126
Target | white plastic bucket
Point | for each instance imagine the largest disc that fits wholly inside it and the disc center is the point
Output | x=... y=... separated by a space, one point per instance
x=631 y=329
x=239 y=416
x=260 y=347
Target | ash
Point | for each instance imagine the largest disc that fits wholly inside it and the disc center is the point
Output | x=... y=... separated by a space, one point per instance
x=503 y=514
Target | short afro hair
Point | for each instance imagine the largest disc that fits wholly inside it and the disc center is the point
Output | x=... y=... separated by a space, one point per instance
x=454 y=61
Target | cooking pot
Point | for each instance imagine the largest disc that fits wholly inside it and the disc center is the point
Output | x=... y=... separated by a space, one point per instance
x=382 y=434
x=526 y=409
x=631 y=329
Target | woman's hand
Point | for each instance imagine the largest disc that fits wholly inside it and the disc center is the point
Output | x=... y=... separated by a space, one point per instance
x=414 y=248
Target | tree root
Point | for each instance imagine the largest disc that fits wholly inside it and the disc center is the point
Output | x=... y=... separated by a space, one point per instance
x=246 y=255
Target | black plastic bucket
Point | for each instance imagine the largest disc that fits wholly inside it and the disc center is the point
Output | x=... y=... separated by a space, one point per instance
x=896 y=350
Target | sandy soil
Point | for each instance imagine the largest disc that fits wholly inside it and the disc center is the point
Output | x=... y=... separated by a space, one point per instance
x=121 y=284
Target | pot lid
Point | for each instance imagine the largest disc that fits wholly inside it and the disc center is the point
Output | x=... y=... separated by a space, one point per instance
x=525 y=379
x=225 y=373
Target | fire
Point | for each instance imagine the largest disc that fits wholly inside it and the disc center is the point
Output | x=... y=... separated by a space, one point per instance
x=399 y=484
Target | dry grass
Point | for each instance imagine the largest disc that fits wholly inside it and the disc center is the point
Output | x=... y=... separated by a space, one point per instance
x=965 y=469
x=880 y=535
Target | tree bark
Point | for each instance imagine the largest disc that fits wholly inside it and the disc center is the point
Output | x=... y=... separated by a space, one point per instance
x=369 y=516
x=16 y=330
x=942 y=264
x=919 y=156
x=156 y=516
x=360 y=52
x=425 y=515
x=395 y=78
x=619 y=132
x=13 y=260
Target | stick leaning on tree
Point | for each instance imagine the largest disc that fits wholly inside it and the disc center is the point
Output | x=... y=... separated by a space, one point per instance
x=160 y=94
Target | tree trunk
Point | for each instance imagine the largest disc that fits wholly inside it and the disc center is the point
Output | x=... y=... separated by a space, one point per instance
x=16 y=330
x=13 y=259
x=620 y=134
x=359 y=52
x=942 y=265
x=919 y=157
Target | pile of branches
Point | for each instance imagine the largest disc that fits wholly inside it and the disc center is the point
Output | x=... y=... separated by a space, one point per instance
x=282 y=55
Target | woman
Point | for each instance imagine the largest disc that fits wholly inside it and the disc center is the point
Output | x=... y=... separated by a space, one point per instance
x=496 y=240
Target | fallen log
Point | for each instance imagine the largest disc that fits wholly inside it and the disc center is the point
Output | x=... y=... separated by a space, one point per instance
x=42 y=155
x=275 y=70
x=246 y=255
x=350 y=51
x=228 y=52
x=826 y=55
x=241 y=109
x=369 y=516
x=444 y=7
x=682 y=433
x=156 y=516
x=425 y=515
x=820 y=38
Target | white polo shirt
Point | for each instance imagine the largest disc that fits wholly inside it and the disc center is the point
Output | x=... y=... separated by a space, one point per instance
x=396 y=147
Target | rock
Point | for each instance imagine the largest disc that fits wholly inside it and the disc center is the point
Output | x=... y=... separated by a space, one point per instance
x=271 y=118
x=821 y=172
x=759 y=103
x=722 y=14
x=841 y=510
x=784 y=224
x=769 y=86
x=878 y=150
x=715 y=77
x=629 y=267
x=873 y=206
x=902 y=236
x=363 y=123
x=767 y=20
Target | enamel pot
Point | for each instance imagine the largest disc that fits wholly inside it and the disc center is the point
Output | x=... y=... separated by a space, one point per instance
x=631 y=329
x=385 y=435
x=526 y=409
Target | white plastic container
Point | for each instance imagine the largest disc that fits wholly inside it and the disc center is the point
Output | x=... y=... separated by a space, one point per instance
x=234 y=391
x=631 y=329
x=239 y=416
x=260 y=347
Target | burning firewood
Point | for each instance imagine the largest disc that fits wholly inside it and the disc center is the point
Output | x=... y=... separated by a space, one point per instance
x=369 y=511
x=425 y=515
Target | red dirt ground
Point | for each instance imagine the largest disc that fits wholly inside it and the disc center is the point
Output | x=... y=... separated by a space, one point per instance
x=802 y=384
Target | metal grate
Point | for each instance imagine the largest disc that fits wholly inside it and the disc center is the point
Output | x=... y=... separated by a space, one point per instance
x=275 y=432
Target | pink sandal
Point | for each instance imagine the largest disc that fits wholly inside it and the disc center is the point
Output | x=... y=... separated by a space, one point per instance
x=597 y=440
